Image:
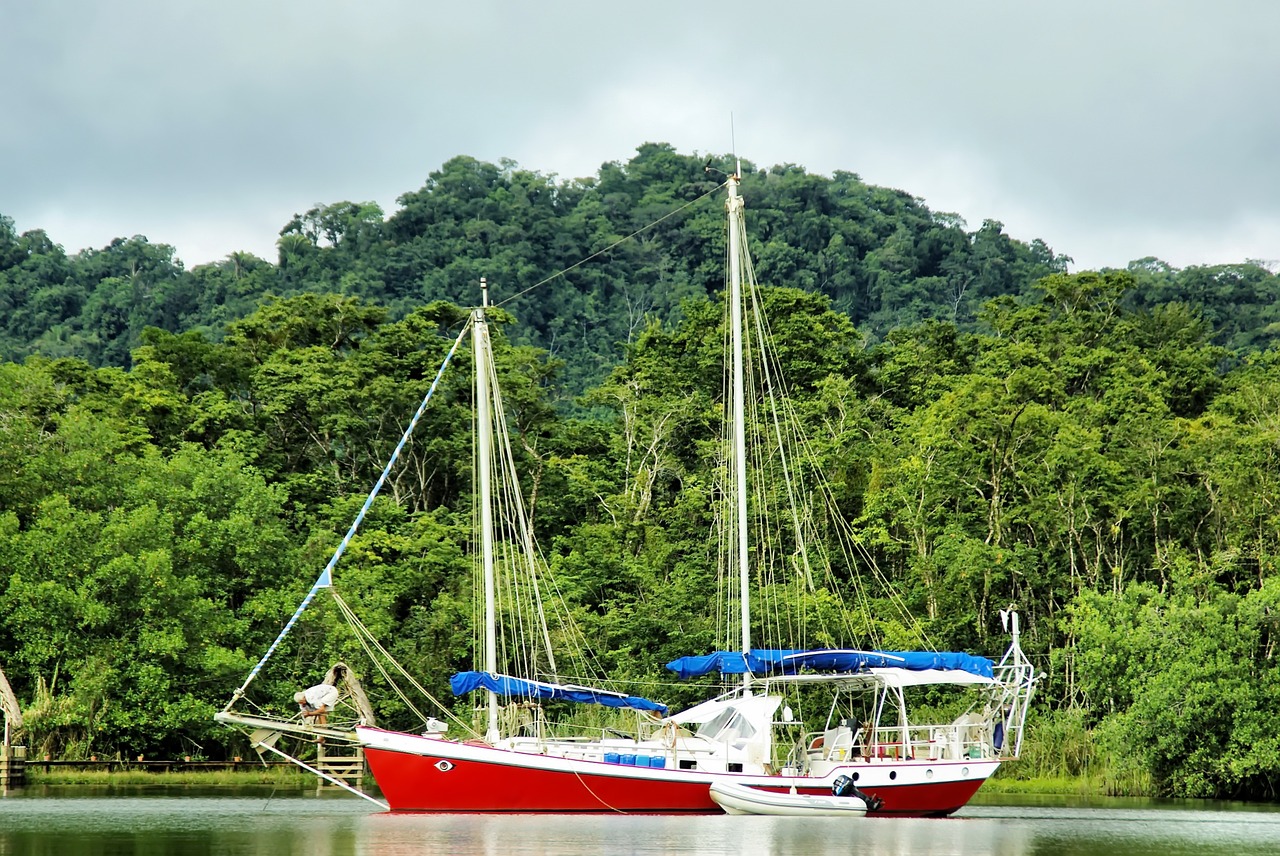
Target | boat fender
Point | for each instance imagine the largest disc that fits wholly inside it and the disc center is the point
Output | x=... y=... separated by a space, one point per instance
x=843 y=786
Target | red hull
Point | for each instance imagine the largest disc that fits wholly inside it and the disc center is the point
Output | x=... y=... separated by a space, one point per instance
x=446 y=783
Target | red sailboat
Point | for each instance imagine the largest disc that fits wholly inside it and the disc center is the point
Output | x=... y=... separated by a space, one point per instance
x=791 y=719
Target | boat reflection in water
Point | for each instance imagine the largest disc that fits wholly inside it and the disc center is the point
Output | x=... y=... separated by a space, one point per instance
x=88 y=821
x=1102 y=827
x=503 y=835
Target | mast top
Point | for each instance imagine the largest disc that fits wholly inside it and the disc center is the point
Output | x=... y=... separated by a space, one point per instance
x=484 y=292
x=734 y=201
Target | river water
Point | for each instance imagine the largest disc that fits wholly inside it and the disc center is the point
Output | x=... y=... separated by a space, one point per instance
x=163 y=821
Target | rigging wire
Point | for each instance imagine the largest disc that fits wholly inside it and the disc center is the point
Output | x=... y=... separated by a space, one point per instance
x=787 y=432
x=521 y=541
x=605 y=250
x=325 y=580
x=524 y=538
x=370 y=643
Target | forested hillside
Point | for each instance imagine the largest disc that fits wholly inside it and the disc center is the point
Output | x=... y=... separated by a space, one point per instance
x=880 y=255
x=1100 y=448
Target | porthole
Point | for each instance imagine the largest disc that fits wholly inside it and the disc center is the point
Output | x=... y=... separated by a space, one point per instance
x=444 y=766
x=893 y=774
x=928 y=774
x=964 y=771
x=856 y=775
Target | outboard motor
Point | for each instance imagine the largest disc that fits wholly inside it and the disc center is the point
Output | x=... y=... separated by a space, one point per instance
x=843 y=786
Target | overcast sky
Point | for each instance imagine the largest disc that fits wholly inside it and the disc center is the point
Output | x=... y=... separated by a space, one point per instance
x=1112 y=130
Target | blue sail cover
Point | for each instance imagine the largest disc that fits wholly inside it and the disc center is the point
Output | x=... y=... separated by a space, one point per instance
x=766 y=661
x=465 y=682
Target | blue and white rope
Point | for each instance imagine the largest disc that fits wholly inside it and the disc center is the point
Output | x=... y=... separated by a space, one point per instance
x=325 y=579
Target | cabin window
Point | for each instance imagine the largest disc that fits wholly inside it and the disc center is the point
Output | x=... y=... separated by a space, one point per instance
x=727 y=724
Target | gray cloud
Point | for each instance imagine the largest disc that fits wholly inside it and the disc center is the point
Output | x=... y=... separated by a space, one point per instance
x=1113 y=131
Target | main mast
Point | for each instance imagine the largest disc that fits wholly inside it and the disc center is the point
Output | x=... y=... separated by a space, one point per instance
x=484 y=439
x=738 y=409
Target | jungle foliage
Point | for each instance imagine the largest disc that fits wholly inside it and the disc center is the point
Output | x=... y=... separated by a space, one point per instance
x=880 y=255
x=182 y=453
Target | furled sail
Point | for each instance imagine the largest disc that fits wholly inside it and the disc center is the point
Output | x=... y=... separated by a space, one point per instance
x=504 y=685
x=781 y=661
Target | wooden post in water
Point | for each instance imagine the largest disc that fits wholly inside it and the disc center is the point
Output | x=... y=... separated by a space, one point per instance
x=13 y=758
x=13 y=766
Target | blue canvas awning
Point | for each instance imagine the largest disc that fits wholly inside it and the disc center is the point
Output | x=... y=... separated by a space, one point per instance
x=775 y=660
x=504 y=685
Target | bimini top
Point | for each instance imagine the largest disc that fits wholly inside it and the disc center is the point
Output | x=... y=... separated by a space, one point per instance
x=767 y=661
x=504 y=685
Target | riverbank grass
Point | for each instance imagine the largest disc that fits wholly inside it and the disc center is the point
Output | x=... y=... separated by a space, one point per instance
x=278 y=776
x=1049 y=786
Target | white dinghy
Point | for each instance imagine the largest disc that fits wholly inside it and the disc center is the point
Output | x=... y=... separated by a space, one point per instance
x=845 y=800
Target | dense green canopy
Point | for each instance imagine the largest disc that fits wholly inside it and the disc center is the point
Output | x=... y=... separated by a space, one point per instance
x=182 y=453
x=881 y=256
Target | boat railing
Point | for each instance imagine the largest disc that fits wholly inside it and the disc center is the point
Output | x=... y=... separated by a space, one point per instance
x=1018 y=681
x=936 y=742
x=1014 y=685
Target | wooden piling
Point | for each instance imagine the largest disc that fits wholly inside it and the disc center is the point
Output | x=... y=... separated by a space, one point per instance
x=13 y=766
x=13 y=758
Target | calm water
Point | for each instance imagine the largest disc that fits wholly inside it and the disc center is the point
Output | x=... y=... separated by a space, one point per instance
x=161 y=822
